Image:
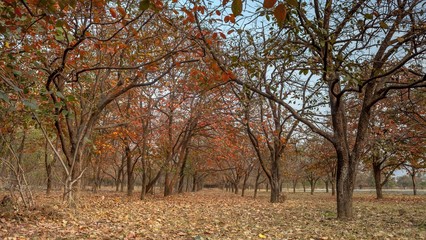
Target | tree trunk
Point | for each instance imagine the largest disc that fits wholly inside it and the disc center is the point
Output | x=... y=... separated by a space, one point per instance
x=243 y=189
x=256 y=186
x=413 y=180
x=312 y=183
x=377 y=172
x=97 y=178
x=130 y=172
x=49 y=179
x=123 y=177
x=345 y=186
x=182 y=176
x=235 y=187
x=275 y=182
x=344 y=200
x=48 y=166
x=294 y=185
x=194 y=182
x=73 y=180
x=168 y=185
x=326 y=185
x=117 y=180
x=151 y=183
x=143 y=187
x=200 y=183
x=256 y=183
x=333 y=188
x=187 y=184
x=275 y=191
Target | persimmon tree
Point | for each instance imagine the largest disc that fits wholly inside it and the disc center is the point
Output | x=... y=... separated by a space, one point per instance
x=411 y=108
x=318 y=161
x=383 y=150
x=185 y=113
x=396 y=136
x=86 y=54
x=293 y=167
x=237 y=160
x=269 y=129
x=354 y=49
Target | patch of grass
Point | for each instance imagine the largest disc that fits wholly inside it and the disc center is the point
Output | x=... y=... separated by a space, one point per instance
x=329 y=214
x=422 y=225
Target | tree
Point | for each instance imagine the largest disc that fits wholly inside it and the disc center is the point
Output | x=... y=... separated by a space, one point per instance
x=293 y=166
x=85 y=55
x=318 y=161
x=354 y=49
x=269 y=132
x=382 y=151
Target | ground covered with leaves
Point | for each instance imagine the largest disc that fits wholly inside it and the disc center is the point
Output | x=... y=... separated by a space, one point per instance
x=215 y=214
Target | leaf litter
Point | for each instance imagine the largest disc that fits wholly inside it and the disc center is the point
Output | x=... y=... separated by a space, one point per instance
x=215 y=214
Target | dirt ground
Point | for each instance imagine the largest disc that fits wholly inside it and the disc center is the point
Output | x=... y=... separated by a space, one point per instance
x=215 y=214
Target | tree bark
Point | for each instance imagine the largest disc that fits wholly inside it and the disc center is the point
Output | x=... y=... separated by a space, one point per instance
x=187 y=184
x=377 y=172
x=182 y=173
x=130 y=172
x=344 y=186
x=326 y=186
x=243 y=189
x=256 y=184
x=194 y=182
x=294 y=185
x=413 y=180
x=118 y=179
x=151 y=183
x=123 y=177
x=312 y=182
x=48 y=166
x=143 y=187
x=168 y=185
x=275 y=182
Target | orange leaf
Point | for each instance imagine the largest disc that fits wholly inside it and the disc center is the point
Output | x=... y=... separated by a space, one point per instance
x=269 y=3
x=122 y=11
x=232 y=18
x=280 y=14
x=226 y=19
x=215 y=67
x=113 y=12
x=190 y=16
x=225 y=77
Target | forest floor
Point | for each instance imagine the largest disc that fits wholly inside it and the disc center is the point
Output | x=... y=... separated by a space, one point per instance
x=215 y=214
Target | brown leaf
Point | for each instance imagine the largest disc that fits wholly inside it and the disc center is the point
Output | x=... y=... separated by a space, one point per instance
x=280 y=14
x=269 y=3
